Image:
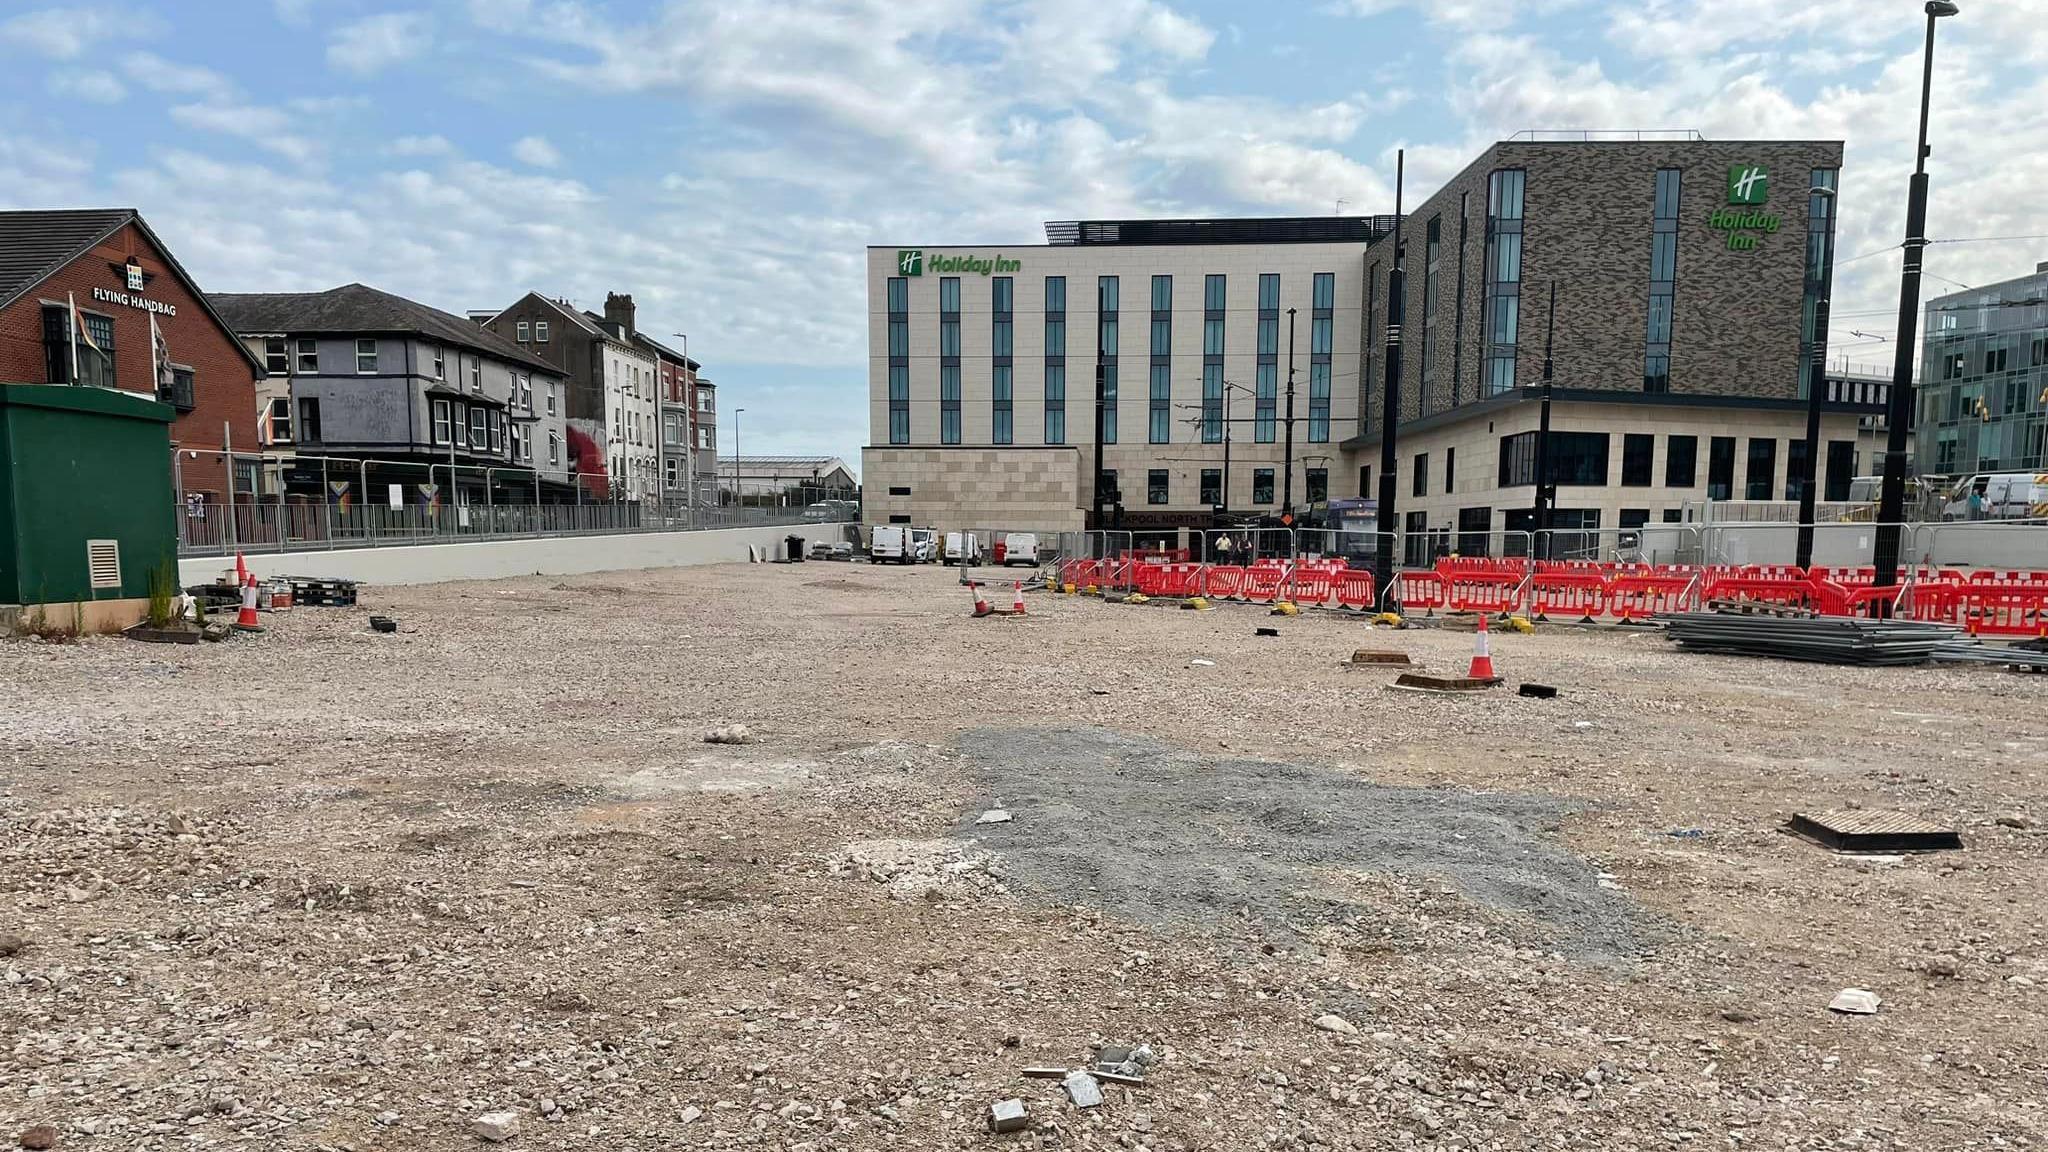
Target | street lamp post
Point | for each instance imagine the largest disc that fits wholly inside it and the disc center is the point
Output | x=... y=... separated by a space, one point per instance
x=1899 y=413
x=1816 y=369
x=1546 y=495
x=738 y=496
x=1390 y=403
x=689 y=442
x=1287 y=481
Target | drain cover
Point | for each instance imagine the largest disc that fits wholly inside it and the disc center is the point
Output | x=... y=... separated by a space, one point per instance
x=1875 y=830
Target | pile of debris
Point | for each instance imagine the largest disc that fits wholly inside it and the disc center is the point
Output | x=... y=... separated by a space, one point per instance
x=1819 y=639
x=919 y=869
x=1113 y=1064
x=2031 y=656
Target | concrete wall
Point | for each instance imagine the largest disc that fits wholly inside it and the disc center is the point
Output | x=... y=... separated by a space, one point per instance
x=1023 y=489
x=550 y=556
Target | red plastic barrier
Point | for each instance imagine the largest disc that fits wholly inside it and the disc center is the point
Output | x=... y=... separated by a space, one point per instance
x=1149 y=579
x=1450 y=566
x=1263 y=581
x=1313 y=588
x=1355 y=589
x=1222 y=581
x=2004 y=604
x=1764 y=585
x=1489 y=592
x=1634 y=596
x=1422 y=588
x=1182 y=579
x=1847 y=577
x=1579 y=593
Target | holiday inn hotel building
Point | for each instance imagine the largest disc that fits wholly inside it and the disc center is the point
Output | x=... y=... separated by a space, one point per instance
x=1690 y=278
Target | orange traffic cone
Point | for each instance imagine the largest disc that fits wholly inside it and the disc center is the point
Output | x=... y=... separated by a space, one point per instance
x=1017 y=606
x=981 y=607
x=241 y=571
x=1482 y=658
x=246 y=621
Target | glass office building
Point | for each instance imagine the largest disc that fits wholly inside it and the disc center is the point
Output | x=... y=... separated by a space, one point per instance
x=1983 y=403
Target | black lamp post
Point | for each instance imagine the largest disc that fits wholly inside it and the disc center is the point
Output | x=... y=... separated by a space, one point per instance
x=1390 y=403
x=1816 y=372
x=1899 y=414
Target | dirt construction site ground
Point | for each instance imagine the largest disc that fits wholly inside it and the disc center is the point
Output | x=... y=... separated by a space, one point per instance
x=326 y=888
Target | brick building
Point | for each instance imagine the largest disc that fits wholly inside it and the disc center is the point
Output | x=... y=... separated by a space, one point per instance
x=121 y=275
x=612 y=411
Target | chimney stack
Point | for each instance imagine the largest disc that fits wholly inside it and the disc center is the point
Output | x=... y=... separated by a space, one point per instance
x=618 y=308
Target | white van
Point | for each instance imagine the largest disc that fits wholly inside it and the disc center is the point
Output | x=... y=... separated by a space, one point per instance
x=890 y=545
x=1018 y=548
x=2000 y=496
x=961 y=548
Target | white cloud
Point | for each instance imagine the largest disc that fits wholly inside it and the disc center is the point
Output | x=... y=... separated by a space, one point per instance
x=267 y=128
x=295 y=12
x=67 y=33
x=91 y=85
x=536 y=150
x=376 y=42
x=160 y=75
x=421 y=146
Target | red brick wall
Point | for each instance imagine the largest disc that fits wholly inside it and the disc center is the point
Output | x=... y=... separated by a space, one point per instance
x=223 y=382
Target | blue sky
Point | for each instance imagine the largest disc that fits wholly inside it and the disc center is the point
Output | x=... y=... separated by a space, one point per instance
x=728 y=161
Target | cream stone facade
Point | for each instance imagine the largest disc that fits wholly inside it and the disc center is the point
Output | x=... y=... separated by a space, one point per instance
x=1018 y=489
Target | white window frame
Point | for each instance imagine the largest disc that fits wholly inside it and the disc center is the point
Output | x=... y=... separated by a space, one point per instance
x=526 y=391
x=460 y=423
x=554 y=450
x=440 y=363
x=277 y=355
x=550 y=389
x=306 y=357
x=272 y=418
x=524 y=331
x=526 y=445
x=476 y=375
x=479 y=429
x=444 y=418
x=360 y=354
x=540 y=331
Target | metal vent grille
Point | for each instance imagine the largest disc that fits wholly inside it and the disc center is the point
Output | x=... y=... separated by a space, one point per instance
x=103 y=562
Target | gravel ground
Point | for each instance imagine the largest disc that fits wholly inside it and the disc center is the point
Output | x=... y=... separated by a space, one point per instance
x=325 y=888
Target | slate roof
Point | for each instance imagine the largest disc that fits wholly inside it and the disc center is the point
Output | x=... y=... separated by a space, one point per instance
x=359 y=308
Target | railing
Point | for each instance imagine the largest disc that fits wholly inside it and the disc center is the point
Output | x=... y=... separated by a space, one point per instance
x=266 y=503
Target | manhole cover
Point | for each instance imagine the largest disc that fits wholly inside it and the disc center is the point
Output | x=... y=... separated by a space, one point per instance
x=1875 y=830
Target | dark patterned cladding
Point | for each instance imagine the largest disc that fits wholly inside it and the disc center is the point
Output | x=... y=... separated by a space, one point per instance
x=1587 y=221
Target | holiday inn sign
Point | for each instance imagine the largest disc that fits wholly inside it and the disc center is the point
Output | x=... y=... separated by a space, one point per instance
x=1748 y=187
x=913 y=262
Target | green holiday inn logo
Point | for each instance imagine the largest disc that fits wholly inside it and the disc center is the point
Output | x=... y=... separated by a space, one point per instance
x=911 y=262
x=1748 y=186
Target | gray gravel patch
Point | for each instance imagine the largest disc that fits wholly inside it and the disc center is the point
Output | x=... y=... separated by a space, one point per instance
x=1169 y=837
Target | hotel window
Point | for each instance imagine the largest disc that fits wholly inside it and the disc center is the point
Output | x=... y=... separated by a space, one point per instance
x=1761 y=475
x=1663 y=278
x=1055 y=359
x=1318 y=480
x=1636 y=465
x=366 y=357
x=1215 y=294
x=523 y=331
x=1266 y=376
x=1502 y=313
x=309 y=420
x=1155 y=486
x=1212 y=487
x=277 y=358
x=278 y=421
x=1681 y=457
x=94 y=369
x=442 y=415
x=309 y=357
x=1418 y=484
x=1105 y=347
x=1262 y=485
x=1450 y=470
x=1320 y=333
x=1795 y=467
x=949 y=360
x=1721 y=468
x=1579 y=458
x=1457 y=304
x=1432 y=258
x=1002 y=413
x=1158 y=425
x=899 y=360
x=1813 y=307
x=540 y=331
x=1517 y=460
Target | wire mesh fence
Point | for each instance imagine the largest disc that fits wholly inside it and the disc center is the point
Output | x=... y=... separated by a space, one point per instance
x=274 y=503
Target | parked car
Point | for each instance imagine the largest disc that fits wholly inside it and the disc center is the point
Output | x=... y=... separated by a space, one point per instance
x=961 y=548
x=1017 y=548
x=924 y=545
x=1999 y=496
